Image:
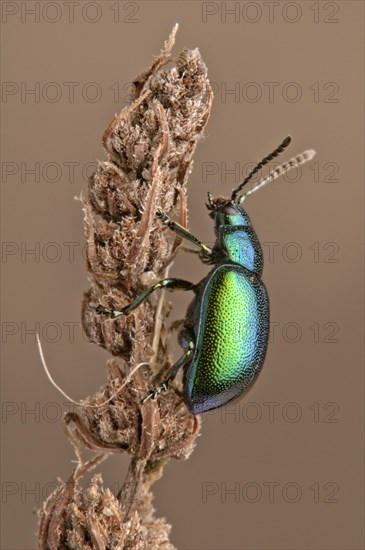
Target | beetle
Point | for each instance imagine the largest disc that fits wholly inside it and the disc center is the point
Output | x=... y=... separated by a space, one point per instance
x=226 y=329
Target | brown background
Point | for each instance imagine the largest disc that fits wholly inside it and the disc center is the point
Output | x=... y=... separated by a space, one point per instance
x=310 y=450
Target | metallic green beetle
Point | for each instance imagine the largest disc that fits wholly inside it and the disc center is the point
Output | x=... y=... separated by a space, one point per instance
x=226 y=328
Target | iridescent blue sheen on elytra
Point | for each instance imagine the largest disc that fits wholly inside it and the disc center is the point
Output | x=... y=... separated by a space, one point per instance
x=228 y=321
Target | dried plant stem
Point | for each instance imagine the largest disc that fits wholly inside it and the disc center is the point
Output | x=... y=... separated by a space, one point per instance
x=149 y=149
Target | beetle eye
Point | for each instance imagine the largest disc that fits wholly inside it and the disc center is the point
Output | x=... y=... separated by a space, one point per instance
x=229 y=211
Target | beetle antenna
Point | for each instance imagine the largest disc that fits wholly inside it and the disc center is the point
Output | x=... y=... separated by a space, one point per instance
x=262 y=163
x=280 y=171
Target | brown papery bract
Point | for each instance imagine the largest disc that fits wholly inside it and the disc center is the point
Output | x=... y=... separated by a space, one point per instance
x=149 y=148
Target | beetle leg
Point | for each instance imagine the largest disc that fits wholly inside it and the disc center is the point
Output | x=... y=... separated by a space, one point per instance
x=171 y=374
x=180 y=230
x=169 y=283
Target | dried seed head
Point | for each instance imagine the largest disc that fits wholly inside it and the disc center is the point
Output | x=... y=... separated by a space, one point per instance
x=149 y=149
x=92 y=517
x=150 y=146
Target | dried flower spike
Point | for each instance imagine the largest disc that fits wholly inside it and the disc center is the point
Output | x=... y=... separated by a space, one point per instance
x=149 y=148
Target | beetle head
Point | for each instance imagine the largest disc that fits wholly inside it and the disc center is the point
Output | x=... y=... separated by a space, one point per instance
x=226 y=212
